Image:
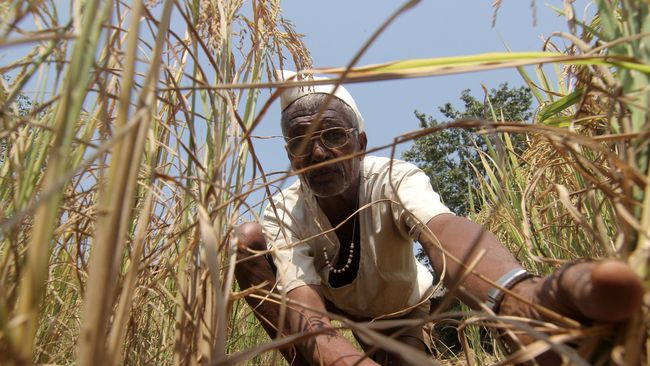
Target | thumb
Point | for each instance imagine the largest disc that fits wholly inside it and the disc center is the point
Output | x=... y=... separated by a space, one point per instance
x=607 y=291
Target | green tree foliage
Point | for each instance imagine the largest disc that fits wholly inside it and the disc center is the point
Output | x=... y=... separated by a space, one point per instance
x=451 y=160
x=19 y=108
x=450 y=157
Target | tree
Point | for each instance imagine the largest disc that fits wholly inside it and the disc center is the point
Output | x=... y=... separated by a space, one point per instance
x=449 y=157
x=19 y=108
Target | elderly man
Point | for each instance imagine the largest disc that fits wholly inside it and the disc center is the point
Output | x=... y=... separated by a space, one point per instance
x=342 y=237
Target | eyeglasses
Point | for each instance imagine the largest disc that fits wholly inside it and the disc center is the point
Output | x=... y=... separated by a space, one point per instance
x=331 y=138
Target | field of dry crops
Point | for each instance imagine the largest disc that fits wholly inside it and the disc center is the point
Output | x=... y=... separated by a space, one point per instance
x=123 y=176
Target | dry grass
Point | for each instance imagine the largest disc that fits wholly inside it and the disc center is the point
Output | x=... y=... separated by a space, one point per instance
x=104 y=159
x=123 y=173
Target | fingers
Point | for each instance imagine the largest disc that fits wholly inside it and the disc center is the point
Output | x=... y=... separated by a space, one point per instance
x=607 y=291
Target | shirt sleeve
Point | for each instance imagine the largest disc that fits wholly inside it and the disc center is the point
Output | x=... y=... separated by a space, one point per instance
x=293 y=258
x=416 y=201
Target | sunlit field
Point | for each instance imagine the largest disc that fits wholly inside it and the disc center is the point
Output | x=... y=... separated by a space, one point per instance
x=127 y=158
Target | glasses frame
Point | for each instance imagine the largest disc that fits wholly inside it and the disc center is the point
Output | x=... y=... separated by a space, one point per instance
x=319 y=135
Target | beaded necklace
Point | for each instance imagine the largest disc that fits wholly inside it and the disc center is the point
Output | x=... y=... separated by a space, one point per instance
x=350 y=253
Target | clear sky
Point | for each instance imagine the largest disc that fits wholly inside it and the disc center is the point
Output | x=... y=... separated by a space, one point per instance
x=334 y=30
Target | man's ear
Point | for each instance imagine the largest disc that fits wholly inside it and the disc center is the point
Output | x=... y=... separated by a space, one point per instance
x=363 y=141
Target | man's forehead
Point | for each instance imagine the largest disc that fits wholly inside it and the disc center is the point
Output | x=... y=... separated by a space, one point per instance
x=301 y=108
x=301 y=123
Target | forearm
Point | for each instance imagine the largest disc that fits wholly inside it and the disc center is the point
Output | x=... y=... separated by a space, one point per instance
x=457 y=242
x=588 y=290
x=327 y=346
x=603 y=291
x=331 y=348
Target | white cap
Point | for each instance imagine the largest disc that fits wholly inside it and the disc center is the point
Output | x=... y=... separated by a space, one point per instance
x=290 y=95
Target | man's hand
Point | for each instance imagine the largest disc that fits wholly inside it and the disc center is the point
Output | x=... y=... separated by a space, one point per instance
x=590 y=291
x=606 y=291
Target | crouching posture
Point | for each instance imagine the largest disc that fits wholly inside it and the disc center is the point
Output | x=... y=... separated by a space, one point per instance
x=341 y=240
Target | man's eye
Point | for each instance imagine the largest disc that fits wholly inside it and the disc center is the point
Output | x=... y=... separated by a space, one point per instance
x=296 y=142
x=335 y=136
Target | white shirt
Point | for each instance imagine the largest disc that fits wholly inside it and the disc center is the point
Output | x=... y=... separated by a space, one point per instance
x=395 y=205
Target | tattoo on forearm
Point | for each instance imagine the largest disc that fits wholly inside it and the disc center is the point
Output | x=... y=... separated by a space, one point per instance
x=315 y=323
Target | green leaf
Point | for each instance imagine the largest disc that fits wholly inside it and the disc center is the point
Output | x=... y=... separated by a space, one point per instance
x=560 y=121
x=561 y=104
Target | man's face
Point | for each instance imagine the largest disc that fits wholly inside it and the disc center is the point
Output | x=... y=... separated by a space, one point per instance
x=334 y=129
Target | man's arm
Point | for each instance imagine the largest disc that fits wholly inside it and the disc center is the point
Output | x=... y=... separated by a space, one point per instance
x=604 y=291
x=329 y=347
x=464 y=240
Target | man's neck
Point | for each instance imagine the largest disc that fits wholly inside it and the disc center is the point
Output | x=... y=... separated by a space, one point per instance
x=340 y=207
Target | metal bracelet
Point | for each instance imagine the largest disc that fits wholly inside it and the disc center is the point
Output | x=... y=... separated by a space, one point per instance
x=508 y=280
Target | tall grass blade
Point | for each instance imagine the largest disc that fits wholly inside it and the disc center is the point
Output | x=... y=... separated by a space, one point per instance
x=67 y=115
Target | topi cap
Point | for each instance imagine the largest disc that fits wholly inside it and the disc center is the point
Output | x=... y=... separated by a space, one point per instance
x=290 y=95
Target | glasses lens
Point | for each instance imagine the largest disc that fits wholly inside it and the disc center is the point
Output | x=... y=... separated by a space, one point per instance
x=334 y=137
x=299 y=146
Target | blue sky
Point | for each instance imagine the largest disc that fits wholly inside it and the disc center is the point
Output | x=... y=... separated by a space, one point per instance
x=334 y=30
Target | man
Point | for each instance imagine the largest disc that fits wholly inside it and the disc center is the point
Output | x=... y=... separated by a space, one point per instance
x=341 y=241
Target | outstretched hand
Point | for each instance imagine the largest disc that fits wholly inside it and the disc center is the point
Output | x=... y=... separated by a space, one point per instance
x=606 y=291
x=588 y=292
x=601 y=292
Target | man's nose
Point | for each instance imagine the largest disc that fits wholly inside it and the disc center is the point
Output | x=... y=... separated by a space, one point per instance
x=318 y=151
